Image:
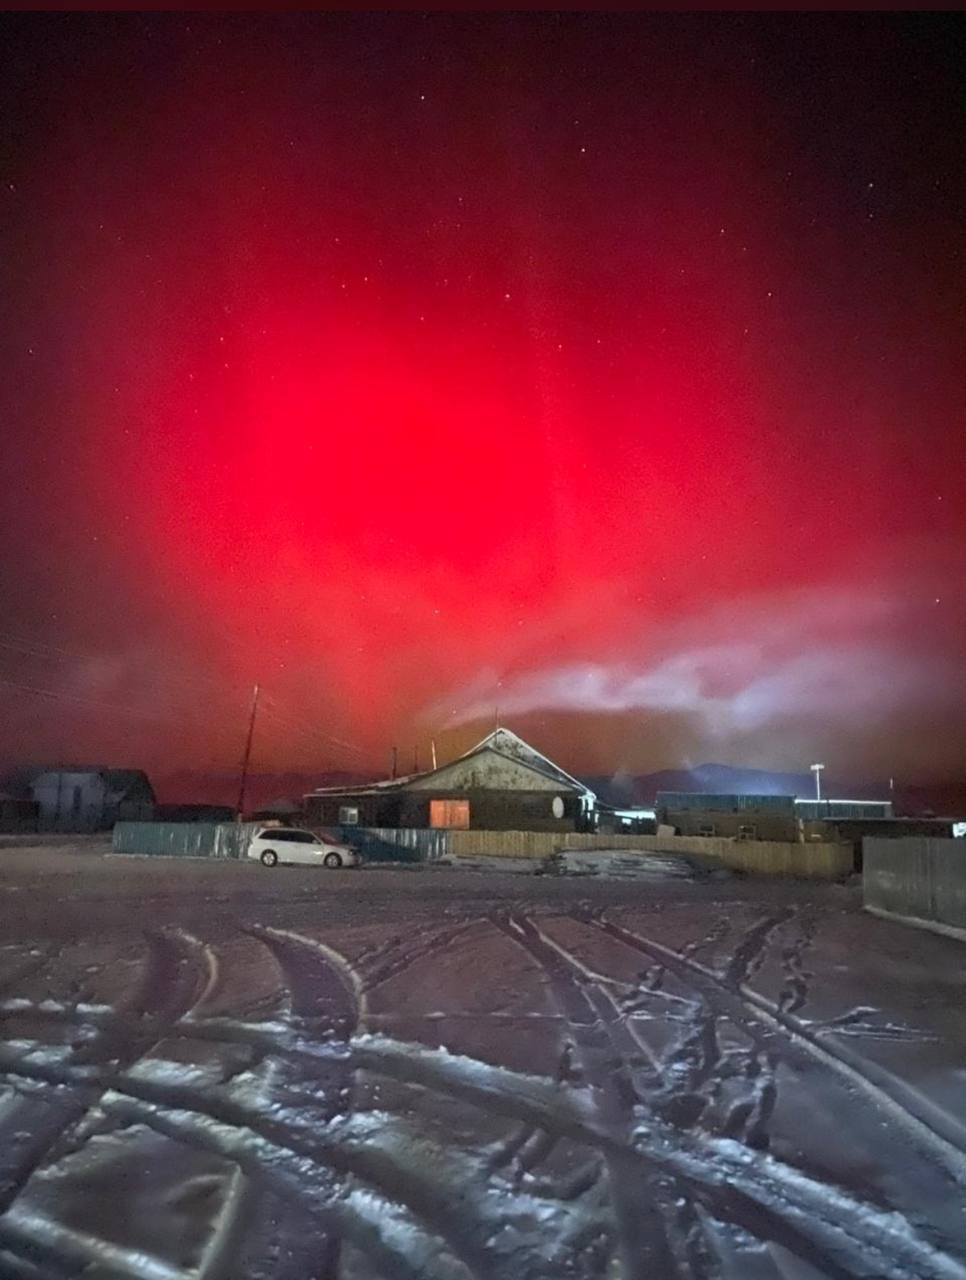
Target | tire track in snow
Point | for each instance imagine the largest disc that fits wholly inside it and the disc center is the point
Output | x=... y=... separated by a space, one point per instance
x=176 y=973
x=602 y=1044
x=374 y=975
x=844 y=1238
x=936 y=1135
x=172 y=978
x=326 y=1001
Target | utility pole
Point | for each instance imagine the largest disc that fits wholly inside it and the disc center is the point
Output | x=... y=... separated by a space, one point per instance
x=433 y=749
x=248 y=754
x=395 y=760
x=416 y=759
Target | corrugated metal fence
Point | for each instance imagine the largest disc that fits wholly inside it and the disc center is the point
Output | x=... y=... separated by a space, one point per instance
x=916 y=878
x=395 y=844
x=184 y=839
x=230 y=840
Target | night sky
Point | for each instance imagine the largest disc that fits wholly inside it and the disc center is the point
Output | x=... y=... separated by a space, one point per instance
x=605 y=369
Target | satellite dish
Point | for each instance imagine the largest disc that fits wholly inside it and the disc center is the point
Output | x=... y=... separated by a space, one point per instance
x=558 y=807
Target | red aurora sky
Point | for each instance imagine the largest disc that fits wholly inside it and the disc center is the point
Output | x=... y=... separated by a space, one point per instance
x=605 y=369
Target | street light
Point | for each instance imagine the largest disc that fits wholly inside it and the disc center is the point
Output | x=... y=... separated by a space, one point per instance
x=817 y=770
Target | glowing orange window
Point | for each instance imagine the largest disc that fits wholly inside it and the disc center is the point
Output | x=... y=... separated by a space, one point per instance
x=449 y=813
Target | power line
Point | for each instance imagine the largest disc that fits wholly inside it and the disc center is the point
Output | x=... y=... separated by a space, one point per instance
x=51 y=653
x=304 y=728
x=59 y=696
x=166 y=714
x=165 y=684
x=162 y=717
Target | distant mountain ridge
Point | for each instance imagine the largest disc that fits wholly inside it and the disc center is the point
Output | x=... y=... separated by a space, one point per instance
x=640 y=789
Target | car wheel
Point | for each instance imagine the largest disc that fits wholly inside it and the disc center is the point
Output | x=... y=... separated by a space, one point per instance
x=269 y=858
x=332 y=860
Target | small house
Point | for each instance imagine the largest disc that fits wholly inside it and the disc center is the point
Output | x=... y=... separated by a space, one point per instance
x=501 y=784
x=88 y=798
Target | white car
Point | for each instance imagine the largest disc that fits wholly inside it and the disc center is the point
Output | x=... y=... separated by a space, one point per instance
x=272 y=845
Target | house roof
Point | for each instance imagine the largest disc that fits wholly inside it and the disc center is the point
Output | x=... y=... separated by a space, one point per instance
x=370 y=788
x=503 y=742
x=507 y=743
x=121 y=781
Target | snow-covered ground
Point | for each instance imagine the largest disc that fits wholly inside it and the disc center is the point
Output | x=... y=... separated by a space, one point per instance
x=218 y=1071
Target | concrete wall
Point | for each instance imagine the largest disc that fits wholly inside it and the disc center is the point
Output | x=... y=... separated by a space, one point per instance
x=919 y=879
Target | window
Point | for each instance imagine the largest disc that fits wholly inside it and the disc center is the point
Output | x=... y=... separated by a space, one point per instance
x=449 y=813
x=348 y=815
x=747 y=832
x=706 y=829
x=291 y=837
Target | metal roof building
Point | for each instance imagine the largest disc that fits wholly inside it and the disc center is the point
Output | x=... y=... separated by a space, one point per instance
x=501 y=784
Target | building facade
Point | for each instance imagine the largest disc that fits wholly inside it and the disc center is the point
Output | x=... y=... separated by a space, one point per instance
x=90 y=799
x=501 y=784
x=732 y=817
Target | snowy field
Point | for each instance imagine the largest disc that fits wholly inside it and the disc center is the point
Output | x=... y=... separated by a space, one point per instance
x=216 y=1071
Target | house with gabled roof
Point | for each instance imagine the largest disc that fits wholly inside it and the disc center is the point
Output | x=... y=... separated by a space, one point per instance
x=79 y=797
x=501 y=784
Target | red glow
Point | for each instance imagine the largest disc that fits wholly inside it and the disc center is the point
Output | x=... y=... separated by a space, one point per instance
x=399 y=388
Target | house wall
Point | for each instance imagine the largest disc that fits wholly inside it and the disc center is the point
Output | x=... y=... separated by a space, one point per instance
x=721 y=802
x=374 y=810
x=490 y=809
x=766 y=825
x=69 y=800
x=79 y=800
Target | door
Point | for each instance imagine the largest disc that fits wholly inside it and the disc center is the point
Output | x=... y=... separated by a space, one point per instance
x=449 y=813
